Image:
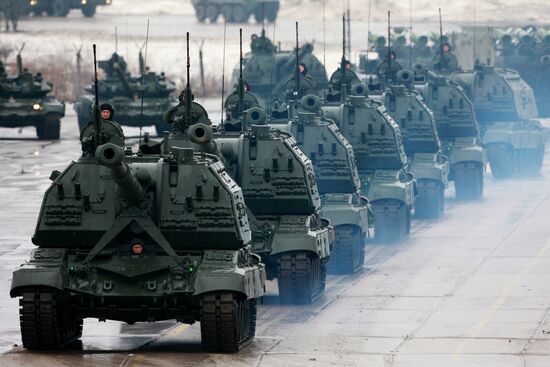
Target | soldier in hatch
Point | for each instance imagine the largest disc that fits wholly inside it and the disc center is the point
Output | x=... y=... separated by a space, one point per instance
x=382 y=70
x=233 y=121
x=446 y=63
x=111 y=130
x=178 y=115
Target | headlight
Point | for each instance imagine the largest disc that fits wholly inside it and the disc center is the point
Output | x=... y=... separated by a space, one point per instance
x=84 y=2
x=33 y=2
x=37 y=107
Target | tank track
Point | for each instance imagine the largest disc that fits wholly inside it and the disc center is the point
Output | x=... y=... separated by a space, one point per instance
x=430 y=202
x=301 y=277
x=45 y=323
x=468 y=178
x=49 y=128
x=348 y=251
x=506 y=161
x=392 y=220
x=228 y=322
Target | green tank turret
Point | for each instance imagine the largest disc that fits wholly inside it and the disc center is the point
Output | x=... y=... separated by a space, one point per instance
x=427 y=162
x=236 y=11
x=458 y=130
x=337 y=179
x=25 y=100
x=505 y=108
x=125 y=92
x=267 y=69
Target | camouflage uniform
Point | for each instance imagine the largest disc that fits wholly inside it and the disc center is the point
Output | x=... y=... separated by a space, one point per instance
x=382 y=70
x=178 y=115
x=111 y=132
x=337 y=79
x=447 y=64
x=234 y=114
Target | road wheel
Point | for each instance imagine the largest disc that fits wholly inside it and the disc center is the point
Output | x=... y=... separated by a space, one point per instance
x=89 y=10
x=430 y=202
x=348 y=251
x=47 y=323
x=392 y=220
x=468 y=178
x=301 y=277
x=200 y=13
x=212 y=13
x=58 y=8
x=228 y=321
x=239 y=14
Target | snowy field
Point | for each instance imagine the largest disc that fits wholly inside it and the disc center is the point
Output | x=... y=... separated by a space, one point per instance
x=54 y=40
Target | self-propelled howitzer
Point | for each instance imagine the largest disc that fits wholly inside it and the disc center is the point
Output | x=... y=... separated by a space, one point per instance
x=337 y=179
x=505 y=109
x=139 y=238
x=381 y=161
x=458 y=129
x=421 y=142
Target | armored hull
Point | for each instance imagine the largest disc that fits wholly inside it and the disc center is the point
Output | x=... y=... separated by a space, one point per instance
x=338 y=182
x=282 y=201
x=427 y=163
x=459 y=132
x=141 y=239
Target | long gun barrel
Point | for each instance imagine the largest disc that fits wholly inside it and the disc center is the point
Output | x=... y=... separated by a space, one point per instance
x=112 y=156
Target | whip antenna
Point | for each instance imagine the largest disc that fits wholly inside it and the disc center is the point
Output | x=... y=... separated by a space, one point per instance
x=368 y=37
x=343 y=60
x=388 y=69
x=188 y=94
x=97 y=117
x=297 y=65
x=349 y=31
x=475 y=32
x=223 y=66
x=142 y=81
x=241 y=83
x=410 y=34
x=324 y=41
x=440 y=41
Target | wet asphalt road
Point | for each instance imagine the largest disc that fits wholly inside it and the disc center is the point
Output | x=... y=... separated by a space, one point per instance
x=470 y=289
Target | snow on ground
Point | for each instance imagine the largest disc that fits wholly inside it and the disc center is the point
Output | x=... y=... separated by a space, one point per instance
x=49 y=39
